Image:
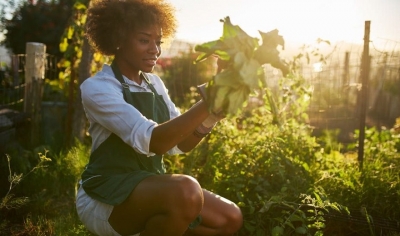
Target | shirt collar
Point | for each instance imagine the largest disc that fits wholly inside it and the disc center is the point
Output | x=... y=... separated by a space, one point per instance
x=108 y=70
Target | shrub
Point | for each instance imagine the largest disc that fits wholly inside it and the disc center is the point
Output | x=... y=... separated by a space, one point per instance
x=288 y=182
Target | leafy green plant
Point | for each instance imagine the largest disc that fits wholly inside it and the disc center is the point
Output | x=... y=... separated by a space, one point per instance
x=54 y=90
x=242 y=57
x=268 y=171
x=304 y=218
x=379 y=180
x=288 y=182
x=10 y=201
x=71 y=46
x=264 y=168
x=65 y=170
x=370 y=193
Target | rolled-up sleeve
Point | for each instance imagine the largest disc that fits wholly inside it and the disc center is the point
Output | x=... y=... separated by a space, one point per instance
x=108 y=113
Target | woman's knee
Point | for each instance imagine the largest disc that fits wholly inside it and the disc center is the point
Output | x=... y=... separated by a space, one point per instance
x=187 y=195
x=233 y=221
x=236 y=219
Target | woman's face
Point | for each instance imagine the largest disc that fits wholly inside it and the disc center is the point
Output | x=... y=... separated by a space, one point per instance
x=142 y=49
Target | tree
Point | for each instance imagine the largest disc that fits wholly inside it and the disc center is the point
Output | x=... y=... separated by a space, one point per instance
x=42 y=22
x=77 y=60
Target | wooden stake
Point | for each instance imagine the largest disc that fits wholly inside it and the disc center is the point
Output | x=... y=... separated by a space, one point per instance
x=364 y=92
x=35 y=64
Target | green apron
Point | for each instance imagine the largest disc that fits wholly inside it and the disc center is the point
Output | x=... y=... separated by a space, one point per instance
x=115 y=168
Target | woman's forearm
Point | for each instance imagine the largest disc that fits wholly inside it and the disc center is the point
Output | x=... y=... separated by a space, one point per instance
x=179 y=131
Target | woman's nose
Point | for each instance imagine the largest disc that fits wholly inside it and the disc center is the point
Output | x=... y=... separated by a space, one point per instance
x=154 y=48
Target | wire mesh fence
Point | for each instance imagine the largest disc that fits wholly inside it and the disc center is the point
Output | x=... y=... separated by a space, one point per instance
x=336 y=83
x=12 y=80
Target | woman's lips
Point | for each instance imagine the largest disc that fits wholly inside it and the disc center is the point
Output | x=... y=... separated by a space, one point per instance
x=150 y=62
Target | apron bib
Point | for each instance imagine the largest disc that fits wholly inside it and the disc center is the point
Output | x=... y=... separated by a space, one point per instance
x=115 y=168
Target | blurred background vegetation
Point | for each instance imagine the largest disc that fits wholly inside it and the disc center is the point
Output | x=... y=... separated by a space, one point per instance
x=289 y=159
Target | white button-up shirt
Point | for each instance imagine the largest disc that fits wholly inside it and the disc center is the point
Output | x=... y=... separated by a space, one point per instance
x=108 y=112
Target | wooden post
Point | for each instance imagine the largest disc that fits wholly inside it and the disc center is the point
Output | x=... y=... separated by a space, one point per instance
x=364 y=92
x=35 y=64
x=346 y=79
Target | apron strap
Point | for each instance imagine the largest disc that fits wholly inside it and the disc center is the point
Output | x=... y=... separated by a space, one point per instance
x=149 y=83
x=128 y=94
x=125 y=86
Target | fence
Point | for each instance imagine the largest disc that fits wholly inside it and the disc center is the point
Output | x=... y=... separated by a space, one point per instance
x=338 y=91
x=336 y=95
x=12 y=80
x=21 y=87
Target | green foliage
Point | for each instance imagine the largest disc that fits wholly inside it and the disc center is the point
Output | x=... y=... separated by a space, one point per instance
x=10 y=201
x=379 y=181
x=263 y=167
x=7 y=201
x=288 y=182
x=285 y=181
x=51 y=191
x=268 y=171
x=311 y=53
x=71 y=43
x=42 y=22
x=371 y=193
x=65 y=168
x=72 y=38
x=289 y=100
x=242 y=74
x=54 y=90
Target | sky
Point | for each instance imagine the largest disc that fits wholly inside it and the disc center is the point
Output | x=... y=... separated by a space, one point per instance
x=298 y=21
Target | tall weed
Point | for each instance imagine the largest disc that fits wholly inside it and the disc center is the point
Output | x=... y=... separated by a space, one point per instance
x=51 y=192
x=10 y=201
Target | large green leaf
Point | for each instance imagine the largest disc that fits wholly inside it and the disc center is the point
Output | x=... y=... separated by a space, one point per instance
x=230 y=88
x=237 y=40
x=211 y=48
x=229 y=78
x=237 y=98
x=268 y=53
x=249 y=72
x=220 y=102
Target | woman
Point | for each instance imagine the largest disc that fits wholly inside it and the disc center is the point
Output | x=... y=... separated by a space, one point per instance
x=124 y=189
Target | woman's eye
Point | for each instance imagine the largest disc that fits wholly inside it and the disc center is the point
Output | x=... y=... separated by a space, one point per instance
x=144 y=41
x=160 y=42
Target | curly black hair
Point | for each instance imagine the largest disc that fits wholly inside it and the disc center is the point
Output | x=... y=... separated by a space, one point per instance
x=110 y=21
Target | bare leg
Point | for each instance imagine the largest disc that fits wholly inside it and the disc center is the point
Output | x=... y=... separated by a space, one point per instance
x=220 y=216
x=159 y=205
x=167 y=204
